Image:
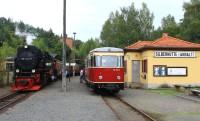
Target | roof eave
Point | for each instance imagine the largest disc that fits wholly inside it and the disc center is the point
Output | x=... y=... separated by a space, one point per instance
x=161 y=48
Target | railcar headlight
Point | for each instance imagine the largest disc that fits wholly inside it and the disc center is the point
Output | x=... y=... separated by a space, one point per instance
x=33 y=70
x=25 y=46
x=118 y=77
x=100 y=77
x=17 y=70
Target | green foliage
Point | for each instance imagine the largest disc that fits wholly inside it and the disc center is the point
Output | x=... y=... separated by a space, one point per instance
x=191 y=22
x=48 y=41
x=22 y=27
x=128 y=25
x=86 y=47
x=7 y=35
x=7 y=30
x=170 y=26
x=146 y=22
x=77 y=44
x=165 y=91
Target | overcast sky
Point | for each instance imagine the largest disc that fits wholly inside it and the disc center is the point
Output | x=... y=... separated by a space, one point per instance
x=85 y=17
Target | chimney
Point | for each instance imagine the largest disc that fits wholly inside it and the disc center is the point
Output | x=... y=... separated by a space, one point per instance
x=165 y=35
x=69 y=42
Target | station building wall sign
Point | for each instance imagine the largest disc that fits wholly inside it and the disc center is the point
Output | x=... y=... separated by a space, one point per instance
x=175 y=54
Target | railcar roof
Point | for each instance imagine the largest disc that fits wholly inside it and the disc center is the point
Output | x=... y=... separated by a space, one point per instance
x=107 y=49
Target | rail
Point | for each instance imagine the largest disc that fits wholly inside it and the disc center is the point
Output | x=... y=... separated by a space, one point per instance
x=12 y=99
x=129 y=112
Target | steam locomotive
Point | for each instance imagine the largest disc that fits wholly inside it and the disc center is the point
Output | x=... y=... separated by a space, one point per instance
x=33 y=69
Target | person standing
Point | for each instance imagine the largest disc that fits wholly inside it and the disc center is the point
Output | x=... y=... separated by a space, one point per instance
x=66 y=73
x=81 y=75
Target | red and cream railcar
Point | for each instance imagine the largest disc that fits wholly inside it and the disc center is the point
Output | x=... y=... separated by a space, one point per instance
x=104 y=69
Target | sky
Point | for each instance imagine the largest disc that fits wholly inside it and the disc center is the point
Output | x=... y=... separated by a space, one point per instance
x=85 y=17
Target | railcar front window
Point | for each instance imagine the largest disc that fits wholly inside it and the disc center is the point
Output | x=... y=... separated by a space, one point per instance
x=109 y=61
x=97 y=61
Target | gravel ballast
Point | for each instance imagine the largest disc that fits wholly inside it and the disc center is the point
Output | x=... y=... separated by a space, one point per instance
x=50 y=104
x=164 y=108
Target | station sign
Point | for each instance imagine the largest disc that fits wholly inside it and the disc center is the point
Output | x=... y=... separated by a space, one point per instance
x=175 y=54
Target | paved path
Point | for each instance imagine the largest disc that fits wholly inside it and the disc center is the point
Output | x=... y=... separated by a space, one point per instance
x=50 y=104
x=165 y=108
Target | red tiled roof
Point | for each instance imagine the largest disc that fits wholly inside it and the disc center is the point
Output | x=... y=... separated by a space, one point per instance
x=164 y=42
x=139 y=44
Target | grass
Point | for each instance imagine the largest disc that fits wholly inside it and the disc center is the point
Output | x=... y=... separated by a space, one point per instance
x=165 y=91
x=196 y=88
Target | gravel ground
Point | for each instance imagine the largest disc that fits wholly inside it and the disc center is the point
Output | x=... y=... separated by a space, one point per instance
x=4 y=90
x=164 y=108
x=50 y=104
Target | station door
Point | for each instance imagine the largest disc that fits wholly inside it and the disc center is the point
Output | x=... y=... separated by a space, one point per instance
x=135 y=71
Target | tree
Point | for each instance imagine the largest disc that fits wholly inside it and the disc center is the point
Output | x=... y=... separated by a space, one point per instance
x=170 y=26
x=77 y=44
x=48 y=41
x=21 y=26
x=127 y=26
x=145 y=22
x=86 y=47
x=191 y=22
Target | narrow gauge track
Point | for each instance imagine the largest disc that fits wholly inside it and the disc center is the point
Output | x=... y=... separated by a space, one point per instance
x=125 y=111
x=11 y=99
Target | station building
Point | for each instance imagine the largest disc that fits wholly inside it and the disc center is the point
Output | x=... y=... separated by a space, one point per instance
x=165 y=61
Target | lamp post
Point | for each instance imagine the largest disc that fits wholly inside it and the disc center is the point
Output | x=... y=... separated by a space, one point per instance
x=74 y=42
x=74 y=35
x=74 y=55
x=64 y=84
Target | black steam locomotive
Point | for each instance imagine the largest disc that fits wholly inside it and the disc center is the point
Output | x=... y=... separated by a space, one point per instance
x=33 y=69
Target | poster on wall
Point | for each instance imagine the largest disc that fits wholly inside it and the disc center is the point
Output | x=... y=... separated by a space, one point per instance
x=159 y=70
x=177 y=71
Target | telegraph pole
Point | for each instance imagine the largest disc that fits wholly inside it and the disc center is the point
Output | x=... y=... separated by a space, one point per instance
x=64 y=83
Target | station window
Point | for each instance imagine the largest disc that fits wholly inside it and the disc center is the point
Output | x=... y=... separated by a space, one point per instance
x=9 y=66
x=144 y=66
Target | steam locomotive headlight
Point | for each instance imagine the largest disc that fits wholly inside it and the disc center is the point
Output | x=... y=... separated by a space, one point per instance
x=118 y=77
x=33 y=70
x=17 y=70
x=25 y=46
x=48 y=64
x=100 y=77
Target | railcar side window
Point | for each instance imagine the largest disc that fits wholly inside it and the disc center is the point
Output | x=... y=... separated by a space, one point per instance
x=120 y=61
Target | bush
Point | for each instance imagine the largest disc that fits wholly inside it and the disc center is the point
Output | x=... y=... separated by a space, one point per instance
x=164 y=86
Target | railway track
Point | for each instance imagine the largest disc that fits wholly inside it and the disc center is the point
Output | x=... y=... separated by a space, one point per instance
x=125 y=111
x=11 y=99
